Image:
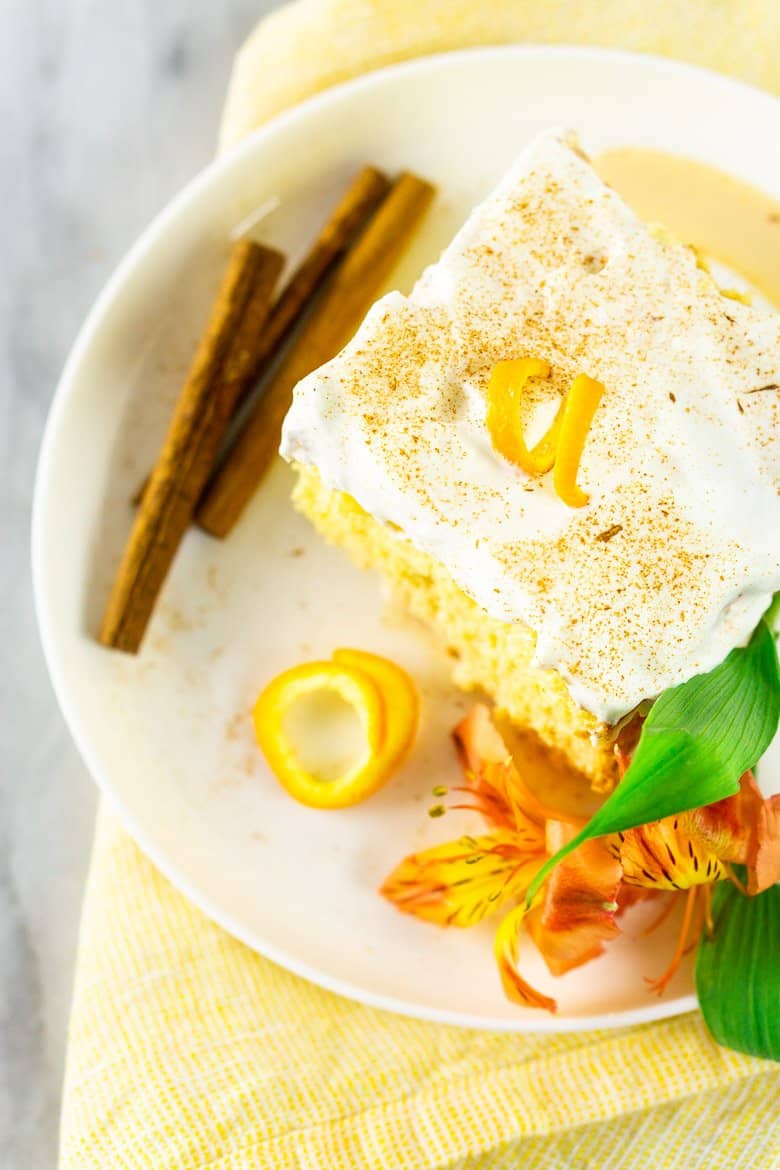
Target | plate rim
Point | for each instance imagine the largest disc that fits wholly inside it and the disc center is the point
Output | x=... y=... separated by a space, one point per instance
x=67 y=382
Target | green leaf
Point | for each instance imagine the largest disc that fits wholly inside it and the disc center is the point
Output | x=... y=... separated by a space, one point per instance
x=738 y=971
x=695 y=744
x=772 y=615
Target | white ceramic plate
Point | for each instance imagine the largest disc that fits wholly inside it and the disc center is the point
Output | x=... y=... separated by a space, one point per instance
x=167 y=735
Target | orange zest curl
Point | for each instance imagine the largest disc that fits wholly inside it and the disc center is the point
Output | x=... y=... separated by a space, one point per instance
x=507 y=383
x=386 y=702
x=579 y=407
x=562 y=445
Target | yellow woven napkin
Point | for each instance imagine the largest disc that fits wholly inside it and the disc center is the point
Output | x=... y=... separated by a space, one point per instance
x=187 y=1050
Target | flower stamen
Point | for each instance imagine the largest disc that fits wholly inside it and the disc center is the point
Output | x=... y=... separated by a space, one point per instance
x=659 y=985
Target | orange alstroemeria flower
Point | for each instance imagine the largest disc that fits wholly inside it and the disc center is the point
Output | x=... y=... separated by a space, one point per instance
x=698 y=847
x=575 y=913
x=463 y=881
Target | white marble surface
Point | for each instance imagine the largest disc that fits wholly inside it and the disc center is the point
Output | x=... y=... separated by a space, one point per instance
x=107 y=108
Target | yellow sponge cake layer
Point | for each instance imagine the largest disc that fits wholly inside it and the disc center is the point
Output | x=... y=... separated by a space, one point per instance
x=489 y=654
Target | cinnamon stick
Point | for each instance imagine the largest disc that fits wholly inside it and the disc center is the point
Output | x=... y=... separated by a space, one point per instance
x=350 y=214
x=332 y=324
x=215 y=381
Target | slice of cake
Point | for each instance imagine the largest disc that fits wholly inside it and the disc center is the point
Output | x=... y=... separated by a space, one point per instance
x=569 y=617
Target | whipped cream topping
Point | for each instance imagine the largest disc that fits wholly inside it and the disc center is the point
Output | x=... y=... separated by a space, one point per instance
x=677 y=555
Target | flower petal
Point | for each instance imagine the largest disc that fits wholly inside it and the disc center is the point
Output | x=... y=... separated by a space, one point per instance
x=763 y=860
x=576 y=916
x=506 y=949
x=695 y=847
x=724 y=827
x=665 y=855
x=744 y=828
x=498 y=789
x=459 y=883
x=478 y=739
